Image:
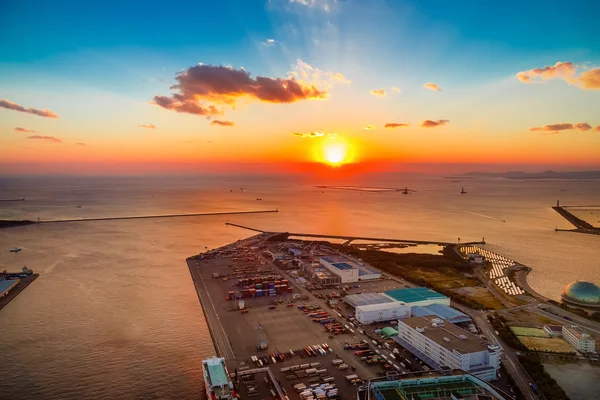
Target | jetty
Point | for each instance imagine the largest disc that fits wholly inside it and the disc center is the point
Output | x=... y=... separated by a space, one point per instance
x=580 y=225
x=349 y=239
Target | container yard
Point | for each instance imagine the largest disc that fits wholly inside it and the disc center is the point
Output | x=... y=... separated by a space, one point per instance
x=277 y=334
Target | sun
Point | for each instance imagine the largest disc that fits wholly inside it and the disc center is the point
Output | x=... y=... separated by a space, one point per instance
x=335 y=153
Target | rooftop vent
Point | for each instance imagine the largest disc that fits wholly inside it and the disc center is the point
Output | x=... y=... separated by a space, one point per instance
x=446 y=339
x=420 y=329
x=462 y=337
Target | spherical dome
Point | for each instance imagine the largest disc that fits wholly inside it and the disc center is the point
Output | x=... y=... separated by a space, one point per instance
x=582 y=293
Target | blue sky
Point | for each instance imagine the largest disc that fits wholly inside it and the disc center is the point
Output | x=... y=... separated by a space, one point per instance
x=99 y=64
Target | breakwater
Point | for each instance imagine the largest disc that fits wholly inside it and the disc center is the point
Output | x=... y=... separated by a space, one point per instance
x=580 y=225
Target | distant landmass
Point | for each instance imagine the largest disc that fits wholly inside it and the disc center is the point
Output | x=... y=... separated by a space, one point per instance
x=539 y=175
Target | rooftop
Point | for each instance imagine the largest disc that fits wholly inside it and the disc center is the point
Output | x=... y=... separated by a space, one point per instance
x=436 y=387
x=577 y=332
x=411 y=295
x=7 y=284
x=440 y=310
x=447 y=335
x=364 y=299
x=216 y=372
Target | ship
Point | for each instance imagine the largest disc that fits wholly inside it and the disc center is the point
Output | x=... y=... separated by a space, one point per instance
x=217 y=381
x=462 y=191
x=15 y=250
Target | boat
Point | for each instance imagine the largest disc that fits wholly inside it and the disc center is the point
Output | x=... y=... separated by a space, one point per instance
x=15 y=250
x=258 y=198
x=405 y=191
x=462 y=190
x=217 y=382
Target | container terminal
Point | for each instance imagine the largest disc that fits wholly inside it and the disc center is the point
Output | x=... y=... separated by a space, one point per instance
x=283 y=316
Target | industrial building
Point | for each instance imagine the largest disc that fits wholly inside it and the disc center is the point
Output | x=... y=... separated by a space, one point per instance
x=349 y=271
x=7 y=285
x=418 y=296
x=442 y=344
x=441 y=311
x=371 y=313
x=456 y=385
x=577 y=338
x=363 y=299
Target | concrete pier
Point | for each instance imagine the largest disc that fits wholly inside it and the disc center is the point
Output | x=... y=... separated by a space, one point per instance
x=580 y=225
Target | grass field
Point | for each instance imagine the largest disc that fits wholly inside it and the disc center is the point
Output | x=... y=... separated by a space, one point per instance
x=531 y=332
x=480 y=295
x=546 y=344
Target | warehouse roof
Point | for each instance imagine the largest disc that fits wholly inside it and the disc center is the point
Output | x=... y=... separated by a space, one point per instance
x=5 y=285
x=364 y=299
x=440 y=310
x=413 y=295
x=448 y=336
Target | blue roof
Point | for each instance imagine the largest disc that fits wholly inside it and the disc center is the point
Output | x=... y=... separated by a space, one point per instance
x=343 y=266
x=411 y=295
x=216 y=373
x=4 y=285
x=448 y=313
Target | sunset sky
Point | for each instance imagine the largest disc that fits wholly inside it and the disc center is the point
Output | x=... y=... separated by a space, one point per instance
x=220 y=85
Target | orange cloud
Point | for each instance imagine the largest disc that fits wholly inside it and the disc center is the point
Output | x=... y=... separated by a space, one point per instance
x=51 y=138
x=432 y=124
x=590 y=79
x=563 y=70
x=369 y=127
x=395 y=125
x=432 y=86
x=597 y=129
x=396 y=89
x=378 y=92
x=311 y=134
x=581 y=126
x=222 y=123
x=24 y=130
x=9 y=105
x=80 y=144
x=224 y=85
x=147 y=126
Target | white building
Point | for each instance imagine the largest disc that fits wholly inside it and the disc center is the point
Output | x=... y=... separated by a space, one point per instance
x=370 y=313
x=340 y=267
x=577 y=338
x=444 y=344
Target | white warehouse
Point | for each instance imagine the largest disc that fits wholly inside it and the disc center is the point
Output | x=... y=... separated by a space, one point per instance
x=370 y=313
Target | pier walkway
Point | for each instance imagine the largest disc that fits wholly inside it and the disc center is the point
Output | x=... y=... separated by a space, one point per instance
x=217 y=332
x=158 y=216
x=349 y=239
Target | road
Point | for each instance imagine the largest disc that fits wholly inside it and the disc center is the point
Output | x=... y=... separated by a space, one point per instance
x=219 y=336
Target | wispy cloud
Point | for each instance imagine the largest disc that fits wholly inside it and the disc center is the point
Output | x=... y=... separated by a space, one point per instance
x=566 y=71
x=432 y=86
x=269 y=42
x=315 y=76
x=396 y=89
x=80 y=144
x=309 y=134
x=565 y=126
x=378 y=92
x=24 y=130
x=147 y=126
x=369 y=127
x=222 y=123
x=432 y=124
x=396 y=125
x=224 y=85
x=50 y=138
x=9 y=105
x=597 y=129
x=324 y=5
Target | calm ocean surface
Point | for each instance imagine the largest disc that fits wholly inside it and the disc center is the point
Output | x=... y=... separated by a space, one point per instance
x=114 y=314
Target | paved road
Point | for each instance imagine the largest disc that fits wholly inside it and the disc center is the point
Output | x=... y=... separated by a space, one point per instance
x=219 y=336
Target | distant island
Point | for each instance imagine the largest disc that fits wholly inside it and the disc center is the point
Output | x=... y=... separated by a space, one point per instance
x=538 y=175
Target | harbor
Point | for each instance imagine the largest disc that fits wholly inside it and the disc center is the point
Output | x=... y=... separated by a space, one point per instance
x=283 y=335
x=13 y=283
